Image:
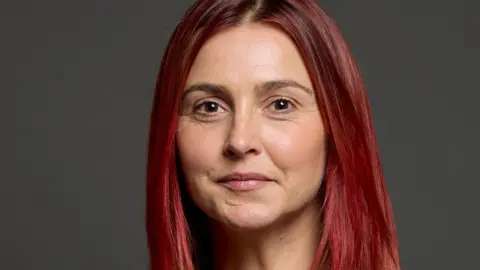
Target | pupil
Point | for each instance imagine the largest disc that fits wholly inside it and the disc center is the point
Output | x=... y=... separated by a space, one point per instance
x=282 y=104
x=211 y=107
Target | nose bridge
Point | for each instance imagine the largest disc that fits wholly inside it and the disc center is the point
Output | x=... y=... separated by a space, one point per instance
x=243 y=135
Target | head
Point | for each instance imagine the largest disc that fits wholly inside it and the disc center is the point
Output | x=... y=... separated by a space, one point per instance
x=267 y=89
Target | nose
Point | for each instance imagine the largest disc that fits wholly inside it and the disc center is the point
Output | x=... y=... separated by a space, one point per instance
x=243 y=138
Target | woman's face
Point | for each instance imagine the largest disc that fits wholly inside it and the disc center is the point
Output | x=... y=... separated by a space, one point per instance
x=250 y=136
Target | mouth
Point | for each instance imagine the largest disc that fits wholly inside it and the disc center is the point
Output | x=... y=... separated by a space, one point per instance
x=244 y=181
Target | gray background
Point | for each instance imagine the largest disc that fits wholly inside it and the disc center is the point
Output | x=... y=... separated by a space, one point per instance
x=77 y=79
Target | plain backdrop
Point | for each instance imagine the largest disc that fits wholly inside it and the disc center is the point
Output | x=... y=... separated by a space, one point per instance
x=77 y=79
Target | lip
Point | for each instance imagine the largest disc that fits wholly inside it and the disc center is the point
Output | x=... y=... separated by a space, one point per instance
x=243 y=181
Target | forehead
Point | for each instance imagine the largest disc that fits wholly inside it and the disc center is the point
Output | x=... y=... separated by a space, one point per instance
x=248 y=54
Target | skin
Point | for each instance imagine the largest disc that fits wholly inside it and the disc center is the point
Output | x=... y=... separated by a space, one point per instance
x=244 y=127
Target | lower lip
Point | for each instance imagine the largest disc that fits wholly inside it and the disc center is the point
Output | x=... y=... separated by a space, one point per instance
x=245 y=185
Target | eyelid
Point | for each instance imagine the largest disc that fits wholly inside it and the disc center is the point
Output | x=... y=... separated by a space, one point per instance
x=293 y=102
x=209 y=99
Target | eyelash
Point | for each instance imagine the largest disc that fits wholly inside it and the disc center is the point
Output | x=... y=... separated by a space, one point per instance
x=196 y=108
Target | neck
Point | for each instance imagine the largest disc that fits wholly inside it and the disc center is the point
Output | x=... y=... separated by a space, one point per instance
x=288 y=244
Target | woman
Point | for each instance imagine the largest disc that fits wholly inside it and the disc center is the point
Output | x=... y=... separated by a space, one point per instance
x=261 y=152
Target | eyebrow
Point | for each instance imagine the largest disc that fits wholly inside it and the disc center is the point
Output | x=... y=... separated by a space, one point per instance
x=278 y=84
x=265 y=87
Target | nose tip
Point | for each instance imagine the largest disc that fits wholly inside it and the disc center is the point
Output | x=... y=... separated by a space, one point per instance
x=242 y=140
x=240 y=150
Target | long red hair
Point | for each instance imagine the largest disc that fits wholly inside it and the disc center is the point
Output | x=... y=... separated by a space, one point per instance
x=358 y=225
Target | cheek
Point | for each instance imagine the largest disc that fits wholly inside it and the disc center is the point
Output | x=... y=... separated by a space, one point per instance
x=299 y=151
x=198 y=149
x=297 y=148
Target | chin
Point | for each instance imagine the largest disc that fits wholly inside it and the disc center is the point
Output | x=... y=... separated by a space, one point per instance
x=248 y=217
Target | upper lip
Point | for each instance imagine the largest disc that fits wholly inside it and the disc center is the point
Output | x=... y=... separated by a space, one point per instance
x=243 y=177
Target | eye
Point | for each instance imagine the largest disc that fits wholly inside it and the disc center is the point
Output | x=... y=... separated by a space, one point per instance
x=281 y=105
x=208 y=109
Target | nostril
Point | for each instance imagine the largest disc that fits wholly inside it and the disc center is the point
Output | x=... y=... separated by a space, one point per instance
x=230 y=153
